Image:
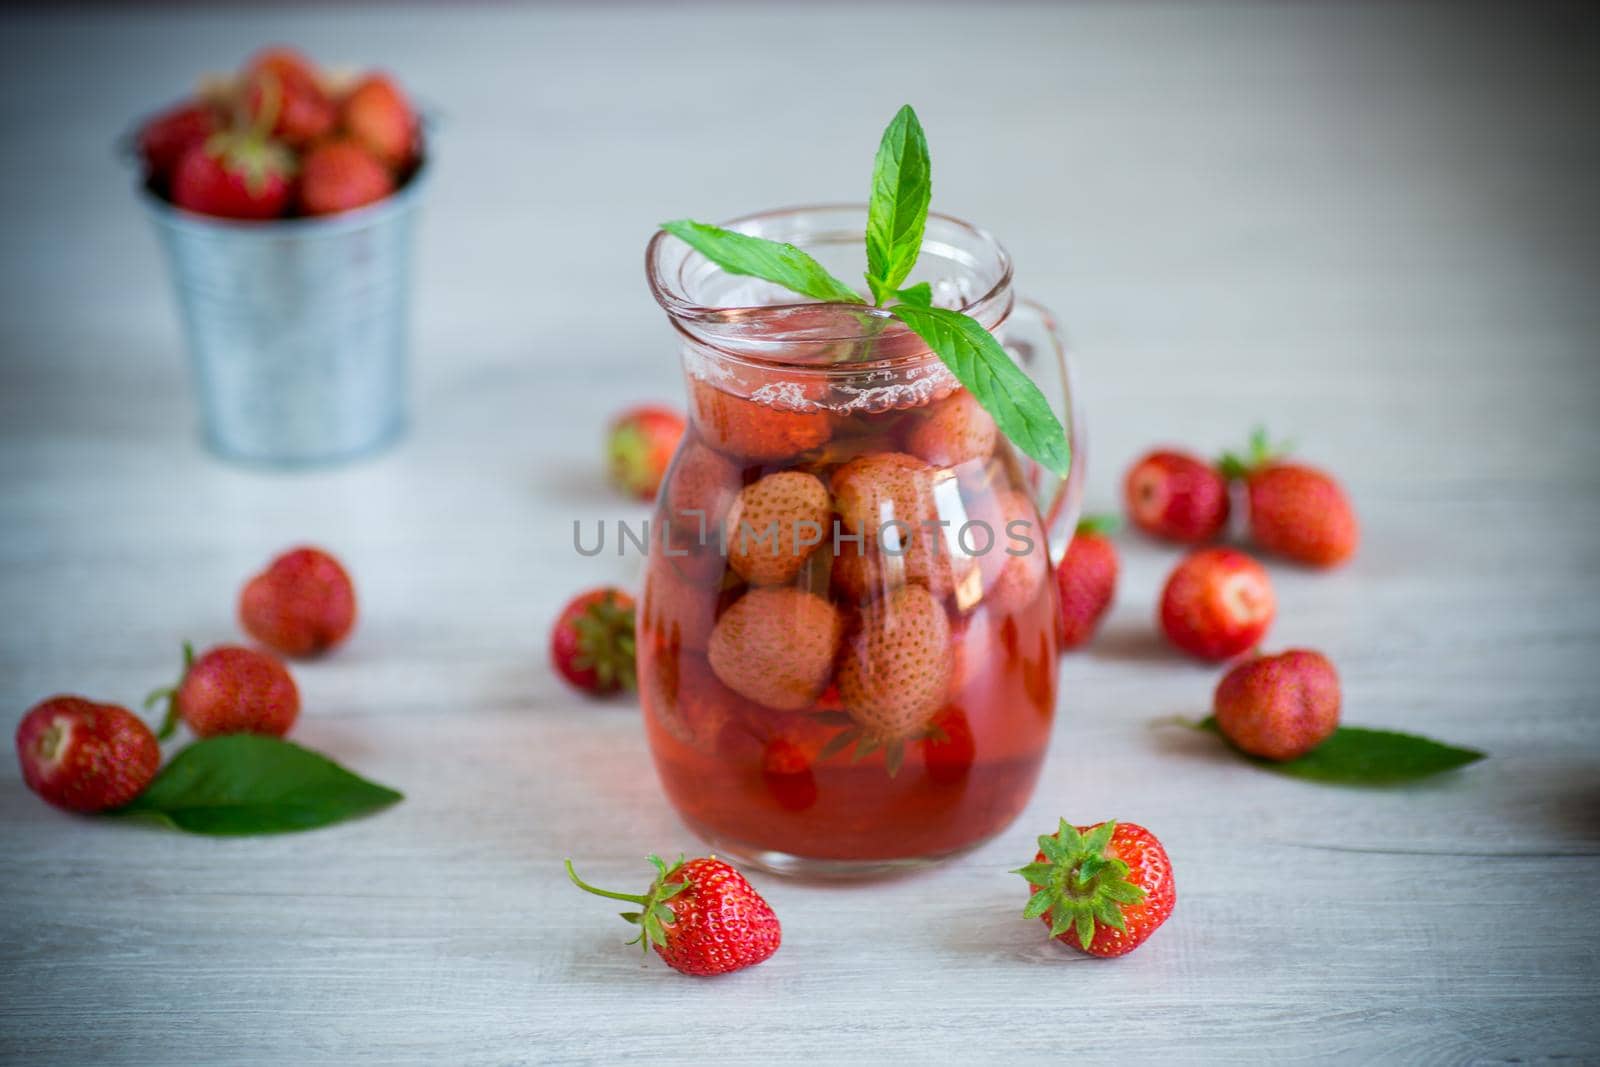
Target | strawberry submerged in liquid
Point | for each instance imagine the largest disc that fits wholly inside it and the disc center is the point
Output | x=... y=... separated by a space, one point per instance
x=829 y=712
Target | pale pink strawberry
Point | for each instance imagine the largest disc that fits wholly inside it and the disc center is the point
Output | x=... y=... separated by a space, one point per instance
x=776 y=646
x=775 y=524
x=895 y=672
x=1016 y=568
x=955 y=430
x=890 y=500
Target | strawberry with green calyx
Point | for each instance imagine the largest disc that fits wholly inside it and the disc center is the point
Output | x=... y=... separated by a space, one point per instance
x=230 y=690
x=592 y=644
x=240 y=173
x=1103 y=889
x=701 y=916
x=639 y=446
x=1296 y=511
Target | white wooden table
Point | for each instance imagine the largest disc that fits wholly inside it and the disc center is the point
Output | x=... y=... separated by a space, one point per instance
x=1373 y=227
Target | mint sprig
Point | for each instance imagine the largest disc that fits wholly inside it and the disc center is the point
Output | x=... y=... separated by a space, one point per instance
x=987 y=371
x=757 y=257
x=897 y=217
x=897 y=214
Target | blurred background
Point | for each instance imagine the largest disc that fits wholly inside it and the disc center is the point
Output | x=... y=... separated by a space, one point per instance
x=1371 y=226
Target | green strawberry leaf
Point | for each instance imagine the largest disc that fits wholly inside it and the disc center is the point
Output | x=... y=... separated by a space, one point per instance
x=250 y=784
x=994 y=380
x=897 y=214
x=757 y=257
x=1355 y=755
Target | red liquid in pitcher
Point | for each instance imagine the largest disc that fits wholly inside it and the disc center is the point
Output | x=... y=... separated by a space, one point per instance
x=846 y=639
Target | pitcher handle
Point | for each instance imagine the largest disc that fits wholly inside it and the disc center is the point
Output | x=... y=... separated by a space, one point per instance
x=1059 y=499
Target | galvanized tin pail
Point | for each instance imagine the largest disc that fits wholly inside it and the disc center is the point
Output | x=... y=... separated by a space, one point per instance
x=298 y=328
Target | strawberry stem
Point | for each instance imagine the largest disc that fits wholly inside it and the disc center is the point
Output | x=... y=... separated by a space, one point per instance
x=654 y=915
x=169 y=721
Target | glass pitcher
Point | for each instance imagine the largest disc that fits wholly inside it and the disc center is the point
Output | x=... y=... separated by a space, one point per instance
x=847 y=636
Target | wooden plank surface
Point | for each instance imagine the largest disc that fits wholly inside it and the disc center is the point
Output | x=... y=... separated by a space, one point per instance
x=1372 y=226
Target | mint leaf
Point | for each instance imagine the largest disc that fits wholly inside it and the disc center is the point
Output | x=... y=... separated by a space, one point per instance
x=987 y=370
x=757 y=257
x=902 y=185
x=919 y=295
x=1355 y=755
x=250 y=784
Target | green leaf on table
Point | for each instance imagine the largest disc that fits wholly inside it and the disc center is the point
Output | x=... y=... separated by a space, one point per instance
x=897 y=214
x=1355 y=755
x=757 y=257
x=251 y=784
x=995 y=381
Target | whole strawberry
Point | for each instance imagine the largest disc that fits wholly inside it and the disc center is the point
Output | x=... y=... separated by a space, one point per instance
x=592 y=644
x=86 y=757
x=1176 y=496
x=283 y=96
x=1103 y=889
x=750 y=430
x=1296 y=511
x=1279 y=707
x=776 y=646
x=639 y=446
x=700 y=916
x=1217 y=603
x=164 y=139
x=341 y=176
x=303 y=603
x=234 y=175
x=775 y=524
x=231 y=690
x=953 y=431
x=1087 y=580
x=377 y=115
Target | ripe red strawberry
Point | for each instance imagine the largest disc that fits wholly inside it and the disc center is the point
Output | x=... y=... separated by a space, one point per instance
x=1103 y=889
x=1176 y=496
x=231 y=690
x=377 y=115
x=953 y=431
x=164 y=139
x=776 y=646
x=85 y=757
x=1295 y=511
x=592 y=644
x=1279 y=707
x=747 y=429
x=639 y=446
x=775 y=524
x=303 y=604
x=283 y=96
x=341 y=176
x=895 y=672
x=1217 y=603
x=700 y=916
x=1087 y=580
x=235 y=176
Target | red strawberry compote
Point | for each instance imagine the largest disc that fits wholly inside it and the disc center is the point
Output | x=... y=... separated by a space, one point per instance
x=847 y=638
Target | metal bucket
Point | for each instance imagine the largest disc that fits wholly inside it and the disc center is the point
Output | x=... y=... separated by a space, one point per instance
x=298 y=328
